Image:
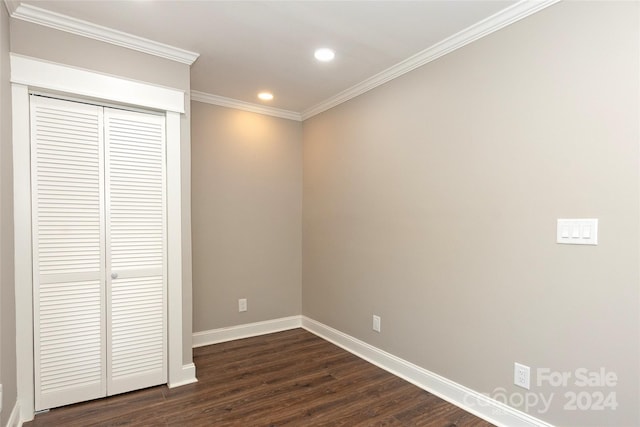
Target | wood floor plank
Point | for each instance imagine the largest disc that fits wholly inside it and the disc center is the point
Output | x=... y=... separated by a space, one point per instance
x=290 y=378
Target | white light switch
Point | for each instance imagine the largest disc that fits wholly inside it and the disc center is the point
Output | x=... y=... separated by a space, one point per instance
x=578 y=231
x=575 y=231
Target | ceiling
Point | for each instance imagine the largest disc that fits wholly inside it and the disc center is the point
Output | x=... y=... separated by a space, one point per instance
x=250 y=46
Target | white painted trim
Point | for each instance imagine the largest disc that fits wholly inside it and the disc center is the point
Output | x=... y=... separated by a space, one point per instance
x=39 y=74
x=248 y=330
x=481 y=29
x=188 y=376
x=11 y=5
x=36 y=15
x=245 y=106
x=14 y=418
x=471 y=401
x=174 y=251
x=22 y=249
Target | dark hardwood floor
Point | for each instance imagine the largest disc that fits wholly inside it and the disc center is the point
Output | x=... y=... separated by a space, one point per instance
x=290 y=378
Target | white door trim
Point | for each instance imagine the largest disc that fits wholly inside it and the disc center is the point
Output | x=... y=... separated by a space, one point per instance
x=22 y=250
x=30 y=73
x=36 y=73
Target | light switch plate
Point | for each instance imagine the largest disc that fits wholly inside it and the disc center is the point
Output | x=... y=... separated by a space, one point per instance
x=583 y=231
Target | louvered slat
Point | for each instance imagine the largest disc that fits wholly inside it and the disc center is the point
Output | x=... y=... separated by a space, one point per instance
x=68 y=256
x=136 y=249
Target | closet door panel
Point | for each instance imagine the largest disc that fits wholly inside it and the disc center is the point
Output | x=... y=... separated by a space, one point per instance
x=68 y=251
x=136 y=250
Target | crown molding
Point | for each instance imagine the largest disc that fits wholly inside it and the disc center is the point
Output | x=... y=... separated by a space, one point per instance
x=66 y=23
x=481 y=29
x=11 y=6
x=245 y=106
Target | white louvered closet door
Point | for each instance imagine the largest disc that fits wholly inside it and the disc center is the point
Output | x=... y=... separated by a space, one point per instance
x=136 y=250
x=99 y=251
x=68 y=257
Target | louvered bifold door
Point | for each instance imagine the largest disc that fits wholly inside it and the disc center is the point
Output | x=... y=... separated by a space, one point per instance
x=136 y=250
x=68 y=251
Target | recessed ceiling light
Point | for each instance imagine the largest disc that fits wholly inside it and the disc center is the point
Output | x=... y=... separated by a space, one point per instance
x=265 y=96
x=324 y=54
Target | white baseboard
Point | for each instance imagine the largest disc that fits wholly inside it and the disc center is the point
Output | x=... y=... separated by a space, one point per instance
x=188 y=376
x=471 y=401
x=248 y=330
x=14 y=418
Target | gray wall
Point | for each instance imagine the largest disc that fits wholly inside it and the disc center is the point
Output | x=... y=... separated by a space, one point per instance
x=432 y=201
x=57 y=46
x=247 y=212
x=7 y=293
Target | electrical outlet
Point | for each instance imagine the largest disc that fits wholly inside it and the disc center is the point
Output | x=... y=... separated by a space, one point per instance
x=376 y=323
x=242 y=304
x=521 y=375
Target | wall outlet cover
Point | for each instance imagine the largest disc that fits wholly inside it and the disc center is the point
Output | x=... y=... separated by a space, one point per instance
x=522 y=376
x=376 y=323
